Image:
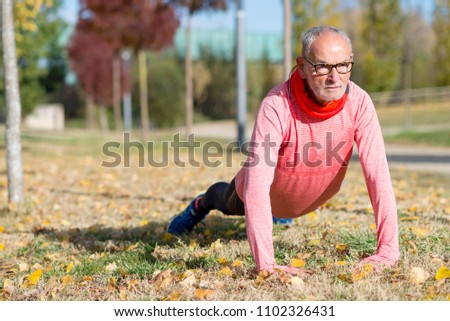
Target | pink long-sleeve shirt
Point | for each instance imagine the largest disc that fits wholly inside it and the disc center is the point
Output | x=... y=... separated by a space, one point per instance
x=297 y=162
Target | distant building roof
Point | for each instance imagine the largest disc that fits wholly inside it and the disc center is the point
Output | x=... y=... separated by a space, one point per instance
x=222 y=42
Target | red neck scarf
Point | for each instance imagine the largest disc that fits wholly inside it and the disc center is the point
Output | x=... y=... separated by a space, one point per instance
x=303 y=98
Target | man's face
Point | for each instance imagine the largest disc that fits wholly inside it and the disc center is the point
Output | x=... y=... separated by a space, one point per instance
x=328 y=48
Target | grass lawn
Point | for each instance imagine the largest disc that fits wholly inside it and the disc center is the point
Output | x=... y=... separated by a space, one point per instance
x=88 y=232
x=437 y=138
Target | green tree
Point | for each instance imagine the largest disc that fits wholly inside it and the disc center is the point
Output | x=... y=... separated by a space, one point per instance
x=441 y=26
x=310 y=13
x=37 y=31
x=218 y=98
x=381 y=43
x=166 y=79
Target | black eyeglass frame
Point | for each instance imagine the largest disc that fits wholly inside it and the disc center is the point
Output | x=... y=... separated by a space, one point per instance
x=330 y=66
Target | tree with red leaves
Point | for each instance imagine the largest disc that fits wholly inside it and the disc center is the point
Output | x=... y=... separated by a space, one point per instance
x=91 y=59
x=131 y=24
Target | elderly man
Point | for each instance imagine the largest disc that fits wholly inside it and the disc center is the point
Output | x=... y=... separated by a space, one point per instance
x=299 y=151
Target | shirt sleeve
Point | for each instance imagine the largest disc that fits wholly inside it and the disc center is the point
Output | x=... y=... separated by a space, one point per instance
x=260 y=168
x=374 y=164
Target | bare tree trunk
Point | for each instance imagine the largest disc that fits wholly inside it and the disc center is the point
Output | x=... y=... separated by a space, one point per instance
x=287 y=39
x=143 y=72
x=103 y=117
x=117 y=93
x=90 y=113
x=188 y=77
x=13 y=107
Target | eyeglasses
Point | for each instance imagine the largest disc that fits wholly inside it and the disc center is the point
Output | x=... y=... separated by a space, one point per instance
x=325 y=69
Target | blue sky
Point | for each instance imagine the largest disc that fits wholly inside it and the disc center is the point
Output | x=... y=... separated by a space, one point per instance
x=261 y=15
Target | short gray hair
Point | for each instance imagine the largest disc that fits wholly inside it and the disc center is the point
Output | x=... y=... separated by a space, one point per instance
x=310 y=35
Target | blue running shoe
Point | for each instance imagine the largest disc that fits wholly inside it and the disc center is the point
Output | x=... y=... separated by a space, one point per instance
x=283 y=221
x=187 y=219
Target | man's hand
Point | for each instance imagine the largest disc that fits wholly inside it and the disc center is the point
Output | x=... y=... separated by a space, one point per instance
x=285 y=269
x=378 y=261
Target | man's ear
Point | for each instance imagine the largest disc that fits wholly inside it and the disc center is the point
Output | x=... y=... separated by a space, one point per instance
x=301 y=66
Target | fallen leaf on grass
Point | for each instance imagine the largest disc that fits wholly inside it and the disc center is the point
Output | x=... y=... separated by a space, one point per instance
x=341 y=247
x=225 y=271
x=297 y=283
x=419 y=232
x=8 y=286
x=175 y=296
x=216 y=245
x=123 y=294
x=69 y=267
x=32 y=279
x=2 y=229
x=297 y=263
x=163 y=279
x=443 y=273
x=418 y=275
x=237 y=263
x=346 y=277
x=202 y=294
x=313 y=242
x=111 y=267
x=66 y=279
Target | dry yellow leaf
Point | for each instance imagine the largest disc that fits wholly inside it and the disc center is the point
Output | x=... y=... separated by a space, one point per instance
x=175 y=296
x=143 y=223
x=219 y=284
x=313 y=242
x=222 y=260
x=237 y=263
x=229 y=233
x=419 y=232
x=346 y=278
x=111 y=267
x=123 y=294
x=341 y=247
x=66 y=279
x=202 y=294
x=33 y=278
x=225 y=271
x=297 y=263
x=167 y=237
x=362 y=273
x=216 y=245
x=189 y=281
x=312 y=217
x=23 y=267
x=2 y=246
x=418 y=275
x=8 y=286
x=443 y=273
x=132 y=247
x=2 y=229
x=69 y=267
x=340 y=263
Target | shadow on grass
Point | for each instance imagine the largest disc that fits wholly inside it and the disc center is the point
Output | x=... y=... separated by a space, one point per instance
x=100 y=238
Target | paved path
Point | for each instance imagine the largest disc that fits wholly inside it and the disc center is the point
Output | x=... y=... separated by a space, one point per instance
x=412 y=157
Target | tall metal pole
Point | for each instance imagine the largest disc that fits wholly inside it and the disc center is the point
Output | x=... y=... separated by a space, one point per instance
x=241 y=73
x=127 y=108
